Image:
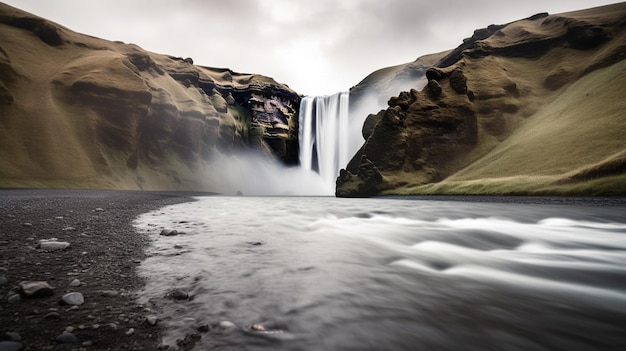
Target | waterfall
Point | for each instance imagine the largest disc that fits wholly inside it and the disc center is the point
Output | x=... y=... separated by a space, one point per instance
x=324 y=135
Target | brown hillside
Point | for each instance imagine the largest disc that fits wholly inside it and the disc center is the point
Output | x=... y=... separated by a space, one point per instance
x=78 y=111
x=532 y=107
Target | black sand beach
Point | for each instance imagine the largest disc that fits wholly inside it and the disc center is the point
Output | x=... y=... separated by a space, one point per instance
x=103 y=253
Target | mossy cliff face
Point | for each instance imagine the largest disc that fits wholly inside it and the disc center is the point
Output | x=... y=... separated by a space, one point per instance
x=420 y=133
x=530 y=107
x=77 y=111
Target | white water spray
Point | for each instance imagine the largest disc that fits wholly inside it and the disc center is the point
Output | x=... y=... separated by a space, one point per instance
x=324 y=135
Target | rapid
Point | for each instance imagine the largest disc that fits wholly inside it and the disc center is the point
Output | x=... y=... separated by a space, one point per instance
x=322 y=273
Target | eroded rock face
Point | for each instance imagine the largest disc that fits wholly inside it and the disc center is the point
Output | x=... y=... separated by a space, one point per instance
x=420 y=132
x=124 y=117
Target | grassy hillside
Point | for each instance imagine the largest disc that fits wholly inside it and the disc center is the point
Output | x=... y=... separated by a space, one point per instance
x=535 y=106
x=82 y=112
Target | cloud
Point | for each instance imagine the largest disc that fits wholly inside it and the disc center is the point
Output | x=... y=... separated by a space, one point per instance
x=316 y=47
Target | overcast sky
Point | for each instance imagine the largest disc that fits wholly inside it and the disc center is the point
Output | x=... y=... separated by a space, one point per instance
x=314 y=46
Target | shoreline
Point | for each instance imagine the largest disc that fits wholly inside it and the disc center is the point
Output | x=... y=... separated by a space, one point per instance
x=104 y=252
x=609 y=201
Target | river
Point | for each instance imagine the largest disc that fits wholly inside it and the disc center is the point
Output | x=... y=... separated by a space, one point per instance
x=321 y=273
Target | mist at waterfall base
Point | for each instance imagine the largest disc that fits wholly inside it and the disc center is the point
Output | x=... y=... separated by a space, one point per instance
x=323 y=273
x=259 y=175
x=327 y=140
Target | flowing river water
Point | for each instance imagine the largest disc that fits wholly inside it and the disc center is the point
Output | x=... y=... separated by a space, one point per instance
x=321 y=273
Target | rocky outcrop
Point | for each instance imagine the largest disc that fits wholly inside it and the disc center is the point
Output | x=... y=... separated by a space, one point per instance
x=84 y=112
x=503 y=113
x=420 y=132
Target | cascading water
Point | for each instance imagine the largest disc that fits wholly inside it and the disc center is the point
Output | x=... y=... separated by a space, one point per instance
x=324 y=135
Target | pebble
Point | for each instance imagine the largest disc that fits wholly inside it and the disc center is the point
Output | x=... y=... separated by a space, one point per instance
x=203 y=328
x=34 y=289
x=52 y=245
x=75 y=283
x=27 y=224
x=87 y=343
x=95 y=326
x=67 y=338
x=69 y=329
x=52 y=315
x=98 y=209
x=109 y=293
x=14 y=298
x=255 y=243
x=3 y=281
x=130 y=331
x=178 y=294
x=226 y=325
x=10 y=346
x=169 y=232
x=151 y=320
x=68 y=229
x=73 y=298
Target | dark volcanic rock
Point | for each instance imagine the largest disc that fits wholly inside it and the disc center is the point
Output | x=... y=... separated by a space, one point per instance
x=420 y=132
x=169 y=232
x=35 y=289
x=10 y=346
x=67 y=338
x=363 y=184
x=178 y=294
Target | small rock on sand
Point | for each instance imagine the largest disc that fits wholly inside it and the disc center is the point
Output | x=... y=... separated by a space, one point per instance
x=67 y=338
x=109 y=293
x=72 y=298
x=15 y=298
x=10 y=346
x=35 y=289
x=52 y=245
x=151 y=320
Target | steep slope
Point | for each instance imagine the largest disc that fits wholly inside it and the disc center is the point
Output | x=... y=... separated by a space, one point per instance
x=78 y=111
x=532 y=107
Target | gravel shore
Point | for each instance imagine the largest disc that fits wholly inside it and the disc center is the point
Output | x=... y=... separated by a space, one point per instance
x=103 y=255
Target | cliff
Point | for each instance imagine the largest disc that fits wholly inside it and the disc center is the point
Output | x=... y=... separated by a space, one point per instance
x=535 y=106
x=78 y=111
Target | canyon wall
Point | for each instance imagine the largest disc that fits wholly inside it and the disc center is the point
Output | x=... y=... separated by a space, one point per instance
x=78 y=111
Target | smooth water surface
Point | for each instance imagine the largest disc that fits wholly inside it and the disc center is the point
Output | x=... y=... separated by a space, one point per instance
x=384 y=274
